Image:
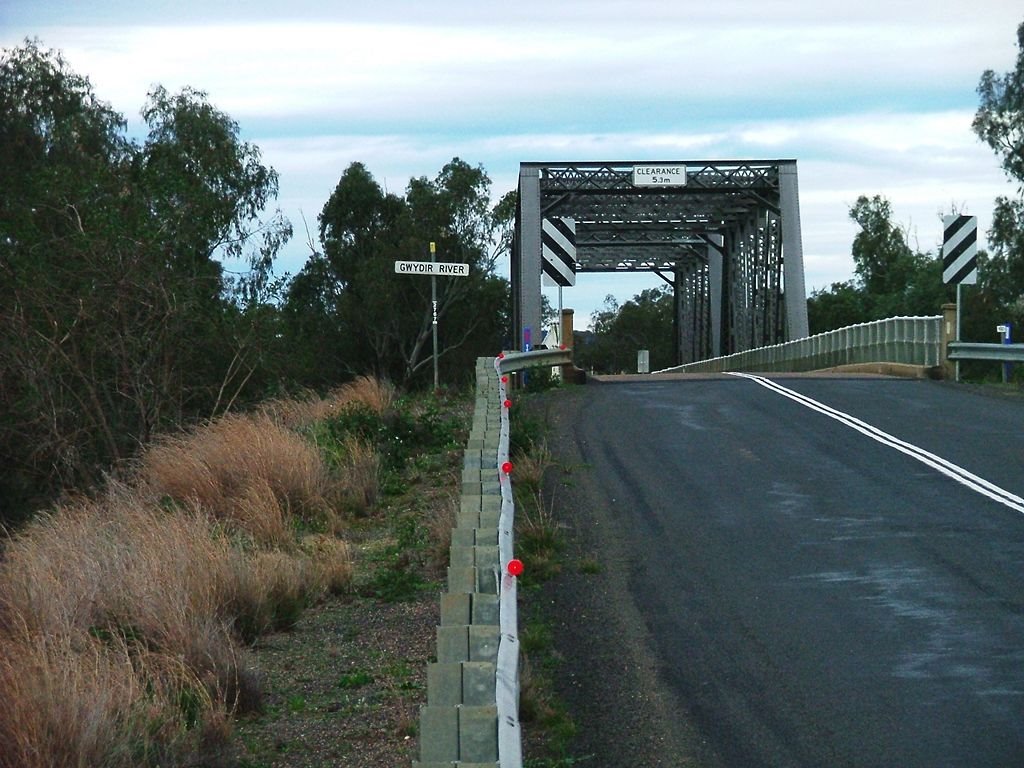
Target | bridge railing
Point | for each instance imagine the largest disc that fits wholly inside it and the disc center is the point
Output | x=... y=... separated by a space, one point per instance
x=472 y=711
x=903 y=340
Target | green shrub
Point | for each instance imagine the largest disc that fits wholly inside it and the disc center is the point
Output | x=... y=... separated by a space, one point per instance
x=356 y=679
x=395 y=582
x=410 y=429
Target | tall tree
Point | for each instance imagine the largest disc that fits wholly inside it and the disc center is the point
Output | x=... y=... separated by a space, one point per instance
x=891 y=278
x=883 y=261
x=116 y=317
x=643 y=322
x=380 y=321
x=840 y=305
x=999 y=122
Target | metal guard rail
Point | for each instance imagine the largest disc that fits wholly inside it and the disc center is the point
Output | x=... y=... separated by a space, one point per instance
x=472 y=711
x=1002 y=353
x=907 y=340
x=518 y=361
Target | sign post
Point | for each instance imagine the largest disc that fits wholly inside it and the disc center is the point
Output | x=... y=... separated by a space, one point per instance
x=434 y=269
x=959 y=259
x=1004 y=331
x=959 y=300
x=433 y=303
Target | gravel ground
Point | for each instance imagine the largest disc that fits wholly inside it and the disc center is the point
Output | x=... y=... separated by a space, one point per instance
x=344 y=687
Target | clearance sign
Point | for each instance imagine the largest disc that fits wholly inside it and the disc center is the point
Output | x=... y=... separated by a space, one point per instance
x=659 y=175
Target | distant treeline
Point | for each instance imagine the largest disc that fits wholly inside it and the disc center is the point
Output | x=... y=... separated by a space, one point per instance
x=137 y=289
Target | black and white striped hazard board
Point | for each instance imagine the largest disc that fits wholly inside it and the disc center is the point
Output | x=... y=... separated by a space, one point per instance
x=558 y=244
x=960 y=250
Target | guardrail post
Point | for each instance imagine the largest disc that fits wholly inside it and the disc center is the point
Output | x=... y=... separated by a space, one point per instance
x=948 y=335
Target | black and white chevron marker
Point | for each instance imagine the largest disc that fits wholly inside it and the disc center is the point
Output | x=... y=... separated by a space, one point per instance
x=558 y=244
x=960 y=250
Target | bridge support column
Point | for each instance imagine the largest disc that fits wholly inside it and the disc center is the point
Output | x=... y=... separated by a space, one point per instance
x=792 y=254
x=565 y=328
x=716 y=251
x=526 y=259
x=948 y=334
x=686 y=312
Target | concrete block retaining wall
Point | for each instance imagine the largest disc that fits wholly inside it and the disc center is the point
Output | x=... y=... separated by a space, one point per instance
x=471 y=718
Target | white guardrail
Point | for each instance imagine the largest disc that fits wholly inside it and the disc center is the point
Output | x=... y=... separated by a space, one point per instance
x=472 y=711
x=506 y=693
x=906 y=340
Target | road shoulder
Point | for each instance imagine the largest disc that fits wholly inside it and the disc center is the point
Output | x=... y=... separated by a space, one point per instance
x=609 y=676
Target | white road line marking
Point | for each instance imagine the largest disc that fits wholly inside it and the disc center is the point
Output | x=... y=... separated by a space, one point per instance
x=948 y=468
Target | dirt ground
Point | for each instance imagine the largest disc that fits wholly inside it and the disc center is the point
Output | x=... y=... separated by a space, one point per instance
x=343 y=687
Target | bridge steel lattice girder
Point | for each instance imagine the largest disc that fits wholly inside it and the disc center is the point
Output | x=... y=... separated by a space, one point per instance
x=723 y=235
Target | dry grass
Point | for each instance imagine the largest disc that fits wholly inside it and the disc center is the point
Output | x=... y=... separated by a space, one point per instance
x=123 y=617
x=118 y=567
x=116 y=645
x=539 y=534
x=271 y=592
x=439 y=532
x=116 y=557
x=301 y=412
x=76 y=700
x=530 y=466
x=358 y=483
x=379 y=396
x=257 y=511
x=331 y=562
x=296 y=413
x=133 y=615
x=245 y=470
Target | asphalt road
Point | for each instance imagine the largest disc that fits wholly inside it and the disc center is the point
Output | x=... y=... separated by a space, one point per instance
x=779 y=588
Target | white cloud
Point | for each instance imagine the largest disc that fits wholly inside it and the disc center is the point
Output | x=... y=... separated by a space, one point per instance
x=933 y=164
x=443 y=71
x=874 y=97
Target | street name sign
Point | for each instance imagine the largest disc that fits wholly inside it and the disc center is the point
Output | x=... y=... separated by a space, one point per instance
x=436 y=268
x=659 y=175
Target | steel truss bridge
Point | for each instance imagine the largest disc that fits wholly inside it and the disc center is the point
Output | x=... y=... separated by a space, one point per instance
x=728 y=241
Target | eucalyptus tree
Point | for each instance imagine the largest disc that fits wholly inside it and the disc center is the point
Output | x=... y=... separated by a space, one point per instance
x=999 y=122
x=896 y=279
x=379 y=321
x=116 y=315
x=891 y=278
x=619 y=332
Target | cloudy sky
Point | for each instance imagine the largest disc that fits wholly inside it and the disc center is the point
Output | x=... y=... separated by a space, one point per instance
x=870 y=97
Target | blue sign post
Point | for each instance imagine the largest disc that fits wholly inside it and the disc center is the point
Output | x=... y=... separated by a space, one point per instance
x=527 y=347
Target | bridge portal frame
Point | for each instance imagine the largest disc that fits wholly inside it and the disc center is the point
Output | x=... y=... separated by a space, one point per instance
x=730 y=237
